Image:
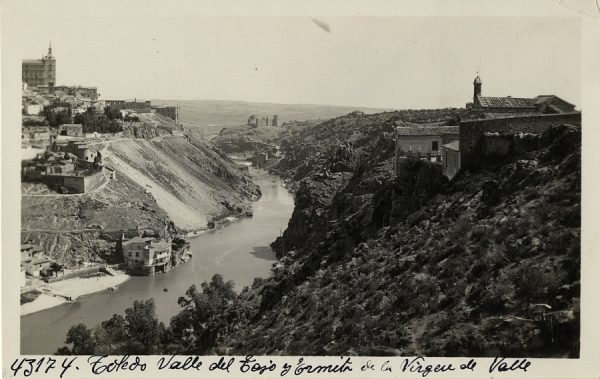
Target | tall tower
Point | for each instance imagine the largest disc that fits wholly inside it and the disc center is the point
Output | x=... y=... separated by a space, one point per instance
x=476 y=88
x=49 y=68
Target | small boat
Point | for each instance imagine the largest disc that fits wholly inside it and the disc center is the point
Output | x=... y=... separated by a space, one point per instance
x=165 y=289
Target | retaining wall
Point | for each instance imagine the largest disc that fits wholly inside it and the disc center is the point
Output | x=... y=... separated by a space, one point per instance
x=78 y=184
x=471 y=132
x=75 y=274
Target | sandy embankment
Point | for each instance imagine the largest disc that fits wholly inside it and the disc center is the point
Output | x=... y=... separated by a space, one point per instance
x=185 y=216
x=72 y=288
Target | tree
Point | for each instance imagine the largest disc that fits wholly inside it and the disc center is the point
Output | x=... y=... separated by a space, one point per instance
x=113 y=113
x=142 y=328
x=93 y=121
x=111 y=336
x=56 y=118
x=81 y=339
x=196 y=328
x=56 y=268
x=129 y=118
x=35 y=123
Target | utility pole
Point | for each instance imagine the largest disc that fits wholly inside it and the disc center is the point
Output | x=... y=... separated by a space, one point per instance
x=395 y=151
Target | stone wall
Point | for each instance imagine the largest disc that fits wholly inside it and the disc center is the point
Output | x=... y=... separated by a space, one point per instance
x=74 y=274
x=471 y=132
x=419 y=143
x=77 y=184
x=450 y=162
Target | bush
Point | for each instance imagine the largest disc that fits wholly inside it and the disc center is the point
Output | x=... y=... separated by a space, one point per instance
x=495 y=297
x=28 y=297
x=533 y=284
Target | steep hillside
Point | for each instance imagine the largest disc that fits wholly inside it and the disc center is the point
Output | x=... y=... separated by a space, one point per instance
x=248 y=139
x=374 y=265
x=189 y=178
x=184 y=179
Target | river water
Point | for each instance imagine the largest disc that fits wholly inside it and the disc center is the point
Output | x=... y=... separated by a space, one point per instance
x=239 y=251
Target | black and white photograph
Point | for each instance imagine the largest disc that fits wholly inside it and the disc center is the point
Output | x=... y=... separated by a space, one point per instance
x=295 y=184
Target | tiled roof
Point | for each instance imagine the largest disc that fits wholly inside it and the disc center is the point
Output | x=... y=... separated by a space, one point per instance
x=454 y=145
x=42 y=259
x=161 y=245
x=506 y=102
x=427 y=130
x=510 y=114
x=137 y=240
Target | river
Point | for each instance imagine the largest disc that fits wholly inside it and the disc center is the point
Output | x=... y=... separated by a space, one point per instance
x=239 y=251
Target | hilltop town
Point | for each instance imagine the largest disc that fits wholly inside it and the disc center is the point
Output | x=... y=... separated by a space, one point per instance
x=97 y=187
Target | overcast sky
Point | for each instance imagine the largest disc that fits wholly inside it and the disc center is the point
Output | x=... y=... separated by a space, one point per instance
x=390 y=62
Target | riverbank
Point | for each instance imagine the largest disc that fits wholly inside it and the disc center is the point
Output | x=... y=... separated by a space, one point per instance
x=57 y=293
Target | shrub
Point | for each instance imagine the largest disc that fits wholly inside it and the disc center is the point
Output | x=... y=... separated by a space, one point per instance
x=533 y=284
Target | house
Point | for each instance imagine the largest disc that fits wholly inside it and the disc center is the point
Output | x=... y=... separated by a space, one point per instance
x=33 y=109
x=423 y=139
x=79 y=148
x=71 y=130
x=490 y=107
x=33 y=260
x=35 y=134
x=450 y=159
x=147 y=255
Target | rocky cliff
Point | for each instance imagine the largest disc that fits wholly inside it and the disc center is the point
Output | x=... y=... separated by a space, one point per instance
x=373 y=264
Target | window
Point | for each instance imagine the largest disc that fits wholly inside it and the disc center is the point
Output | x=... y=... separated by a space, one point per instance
x=137 y=254
x=434 y=145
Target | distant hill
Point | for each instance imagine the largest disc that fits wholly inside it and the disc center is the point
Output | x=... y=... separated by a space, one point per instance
x=225 y=113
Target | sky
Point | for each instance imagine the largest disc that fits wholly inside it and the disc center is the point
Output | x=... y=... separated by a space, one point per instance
x=384 y=62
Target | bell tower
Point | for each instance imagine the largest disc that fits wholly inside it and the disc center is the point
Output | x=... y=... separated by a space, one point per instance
x=476 y=88
x=50 y=69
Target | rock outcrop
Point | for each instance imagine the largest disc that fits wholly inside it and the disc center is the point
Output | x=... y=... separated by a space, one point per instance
x=372 y=264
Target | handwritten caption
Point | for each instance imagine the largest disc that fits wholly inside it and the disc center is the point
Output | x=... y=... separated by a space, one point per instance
x=256 y=366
